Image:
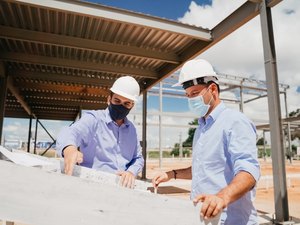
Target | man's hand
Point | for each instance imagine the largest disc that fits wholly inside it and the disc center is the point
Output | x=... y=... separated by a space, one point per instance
x=212 y=205
x=160 y=177
x=71 y=157
x=126 y=179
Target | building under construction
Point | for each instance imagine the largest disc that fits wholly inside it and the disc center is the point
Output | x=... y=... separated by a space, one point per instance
x=58 y=58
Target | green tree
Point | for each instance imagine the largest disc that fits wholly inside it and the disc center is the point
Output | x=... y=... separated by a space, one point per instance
x=294 y=113
x=295 y=134
x=261 y=141
x=189 y=141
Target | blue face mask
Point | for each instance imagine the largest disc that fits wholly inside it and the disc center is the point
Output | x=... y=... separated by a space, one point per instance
x=118 y=112
x=198 y=106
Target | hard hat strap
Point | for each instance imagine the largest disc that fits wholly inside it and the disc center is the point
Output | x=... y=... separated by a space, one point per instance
x=199 y=80
x=193 y=82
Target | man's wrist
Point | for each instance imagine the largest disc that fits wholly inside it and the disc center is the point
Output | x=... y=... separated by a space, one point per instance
x=172 y=174
x=67 y=148
x=224 y=197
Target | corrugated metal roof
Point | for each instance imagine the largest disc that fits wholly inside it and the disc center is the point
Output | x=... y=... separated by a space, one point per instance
x=60 y=60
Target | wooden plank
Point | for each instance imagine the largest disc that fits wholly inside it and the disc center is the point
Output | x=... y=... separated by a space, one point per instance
x=34 y=196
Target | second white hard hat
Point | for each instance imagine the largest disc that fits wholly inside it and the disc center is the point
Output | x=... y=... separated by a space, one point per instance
x=196 y=71
x=127 y=87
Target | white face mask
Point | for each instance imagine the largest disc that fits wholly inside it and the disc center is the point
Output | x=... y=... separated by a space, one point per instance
x=198 y=106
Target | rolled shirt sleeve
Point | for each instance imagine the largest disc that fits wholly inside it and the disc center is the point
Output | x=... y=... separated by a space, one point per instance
x=105 y=145
x=242 y=147
x=79 y=133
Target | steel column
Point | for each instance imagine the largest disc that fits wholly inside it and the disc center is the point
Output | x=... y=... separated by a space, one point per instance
x=289 y=150
x=29 y=134
x=3 y=91
x=180 y=146
x=144 y=134
x=265 y=150
x=35 y=135
x=160 y=124
x=278 y=162
x=241 y=98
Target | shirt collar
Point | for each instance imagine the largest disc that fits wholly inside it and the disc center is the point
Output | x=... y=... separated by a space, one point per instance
x=213 y=115
x=108 y=119
x=217 y=111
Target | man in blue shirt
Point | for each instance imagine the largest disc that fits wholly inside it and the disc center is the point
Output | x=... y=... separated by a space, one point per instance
x=224 y=168
x=106 y=138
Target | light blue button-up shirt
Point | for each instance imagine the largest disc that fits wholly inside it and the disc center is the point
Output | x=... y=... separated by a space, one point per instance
x=105 y=145
x=225 y=144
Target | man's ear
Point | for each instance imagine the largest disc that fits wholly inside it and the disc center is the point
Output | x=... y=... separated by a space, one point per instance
x=133 y=104
x=214 y=89
x=108 y=99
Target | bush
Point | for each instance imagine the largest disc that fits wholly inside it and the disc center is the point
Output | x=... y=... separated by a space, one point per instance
x=261 y=152
x=186 y=152
x=155 y=154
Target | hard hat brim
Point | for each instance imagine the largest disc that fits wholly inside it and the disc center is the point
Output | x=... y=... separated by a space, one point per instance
x=123 y=94
x=206 y=79
x=178 y=84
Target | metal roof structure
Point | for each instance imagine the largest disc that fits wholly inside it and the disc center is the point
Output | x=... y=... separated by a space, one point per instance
x=62 y=56
x=291 y=123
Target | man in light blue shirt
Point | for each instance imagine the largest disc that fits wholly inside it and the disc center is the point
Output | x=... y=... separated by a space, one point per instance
x=224 y=168
x=106 y=138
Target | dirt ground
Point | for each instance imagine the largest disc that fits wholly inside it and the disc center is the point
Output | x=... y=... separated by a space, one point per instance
x=265 y=193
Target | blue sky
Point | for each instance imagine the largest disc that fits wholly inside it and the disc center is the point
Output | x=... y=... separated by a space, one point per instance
x=170 y=9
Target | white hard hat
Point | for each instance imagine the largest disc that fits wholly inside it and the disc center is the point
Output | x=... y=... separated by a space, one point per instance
x=127 y=87
x=196 y=71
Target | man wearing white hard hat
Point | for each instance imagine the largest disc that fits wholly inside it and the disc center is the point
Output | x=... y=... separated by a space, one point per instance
x=106 y=138
x=224 y=168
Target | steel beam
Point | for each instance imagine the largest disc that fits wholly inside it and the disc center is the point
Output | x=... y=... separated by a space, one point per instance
x=258 y=97
x=278 y=160
x=63 y=77
x=85 y=44
x=15 y=91
x=76 y=64
x=123 y=16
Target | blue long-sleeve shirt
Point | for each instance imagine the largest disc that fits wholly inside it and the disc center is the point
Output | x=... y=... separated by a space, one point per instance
x=225 y=144
x=105 y=145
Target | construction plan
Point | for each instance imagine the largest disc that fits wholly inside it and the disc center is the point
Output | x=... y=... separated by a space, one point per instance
x=42 y=195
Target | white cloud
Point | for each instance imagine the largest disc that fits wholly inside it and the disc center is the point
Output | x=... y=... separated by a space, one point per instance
x=10 y=128
x=208 y=16
x=241 y=53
